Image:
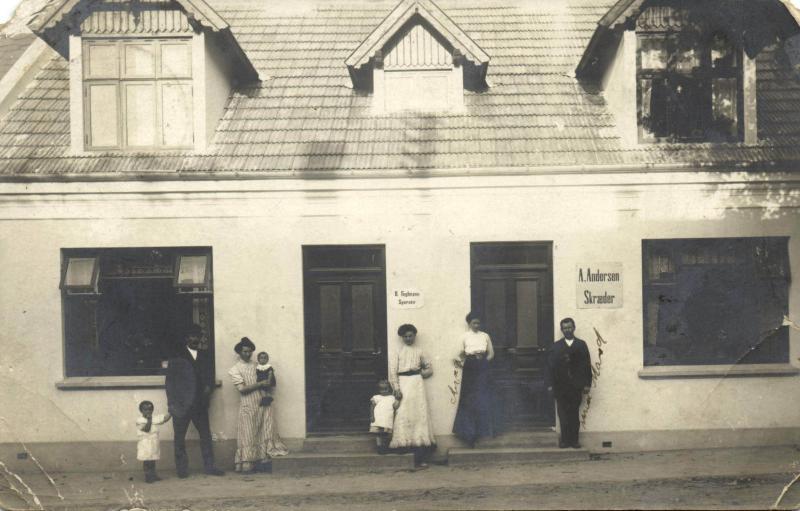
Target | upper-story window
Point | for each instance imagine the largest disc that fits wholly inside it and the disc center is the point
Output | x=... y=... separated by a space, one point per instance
x=137 y=94
x=689 y=79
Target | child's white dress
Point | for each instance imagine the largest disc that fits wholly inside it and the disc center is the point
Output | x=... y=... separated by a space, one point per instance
x=148 y=449
x=384 y=413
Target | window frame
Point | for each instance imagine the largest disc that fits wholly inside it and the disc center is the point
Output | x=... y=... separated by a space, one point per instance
x=158 y=80
x=70 y=380
x=703 y=75
x=650 y=286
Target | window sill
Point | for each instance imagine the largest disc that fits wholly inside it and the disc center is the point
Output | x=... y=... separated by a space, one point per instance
x=717 y=371
x=115 y=382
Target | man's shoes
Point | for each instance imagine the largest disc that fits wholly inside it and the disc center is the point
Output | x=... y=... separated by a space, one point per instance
x=182 y=474
x=151 y=478
x=214 y=471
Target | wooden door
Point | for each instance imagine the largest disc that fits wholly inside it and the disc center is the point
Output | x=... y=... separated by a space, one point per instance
x=345 y=334
x=512 y=290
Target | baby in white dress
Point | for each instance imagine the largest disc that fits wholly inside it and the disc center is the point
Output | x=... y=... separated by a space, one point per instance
x=148 y=450
x=383 y=405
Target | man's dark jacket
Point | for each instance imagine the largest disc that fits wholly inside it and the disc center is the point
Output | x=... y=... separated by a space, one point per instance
x=569 y=367
x=188 y=382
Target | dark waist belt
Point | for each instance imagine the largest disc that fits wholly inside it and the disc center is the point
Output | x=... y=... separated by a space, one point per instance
x=409 y=373
x=477 y=356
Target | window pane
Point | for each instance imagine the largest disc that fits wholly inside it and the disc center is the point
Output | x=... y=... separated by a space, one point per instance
x=726 y=305
x=363 y=316
x=140 y=107
x=102 y=60
x=176 y=60
x=330 y=317
x=176 y=124
x=527 y=313
x=192 y=270
x=724 y=104
x=495 y=310
x=723 y=52
x=81 y=343
x=653 y=53
x=140 y=60
x=103 y=116
x=80 y=272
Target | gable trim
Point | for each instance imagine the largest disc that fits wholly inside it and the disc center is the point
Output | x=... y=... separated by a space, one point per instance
x=54 y=12
x=431 y=13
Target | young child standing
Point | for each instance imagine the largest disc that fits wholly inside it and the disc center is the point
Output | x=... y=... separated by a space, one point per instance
x=382 y=408
x=147 y=449
x=264 y=372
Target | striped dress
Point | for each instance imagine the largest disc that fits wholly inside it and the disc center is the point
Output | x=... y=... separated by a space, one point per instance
x=257 y=439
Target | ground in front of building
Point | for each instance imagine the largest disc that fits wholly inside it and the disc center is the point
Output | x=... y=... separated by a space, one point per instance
x=710 y=479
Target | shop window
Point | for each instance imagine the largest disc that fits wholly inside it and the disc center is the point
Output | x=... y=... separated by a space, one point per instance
x=715 y=301
x=689 y=79
x=137 y=94
x=125 y=310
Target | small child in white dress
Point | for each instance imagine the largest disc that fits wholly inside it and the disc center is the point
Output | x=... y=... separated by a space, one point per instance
x=264 y=372
x=148 y=450
x=383 y=405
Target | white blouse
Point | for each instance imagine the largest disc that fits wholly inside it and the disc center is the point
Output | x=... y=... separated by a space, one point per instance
x=407 y=358
x=477 y=342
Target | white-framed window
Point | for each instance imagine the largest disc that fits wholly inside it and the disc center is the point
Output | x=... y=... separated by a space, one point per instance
x=690 y=84
x=137 y=94
x=125 y=309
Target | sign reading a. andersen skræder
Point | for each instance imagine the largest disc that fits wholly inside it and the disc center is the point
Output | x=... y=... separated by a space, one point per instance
x=599 y=286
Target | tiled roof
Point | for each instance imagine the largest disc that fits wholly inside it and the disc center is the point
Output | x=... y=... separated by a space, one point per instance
x=11 y=48
x=306 y=116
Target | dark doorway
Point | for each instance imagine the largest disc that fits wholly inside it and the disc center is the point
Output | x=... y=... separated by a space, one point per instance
x=512 y=289
x=345 y=334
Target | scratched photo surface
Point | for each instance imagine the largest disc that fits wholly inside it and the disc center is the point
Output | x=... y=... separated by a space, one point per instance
x=399 y=254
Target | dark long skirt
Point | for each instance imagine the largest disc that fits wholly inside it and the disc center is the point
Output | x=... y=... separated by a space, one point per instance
x=474 y=415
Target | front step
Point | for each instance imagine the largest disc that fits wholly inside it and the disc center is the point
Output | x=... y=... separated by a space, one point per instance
x=340 y=444
x=311 y=463
x=535 y=438
x=483 y=456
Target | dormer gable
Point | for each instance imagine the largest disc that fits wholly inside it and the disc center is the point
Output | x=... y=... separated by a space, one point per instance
x=683 y=71
x=418 y=59
x=145 y=75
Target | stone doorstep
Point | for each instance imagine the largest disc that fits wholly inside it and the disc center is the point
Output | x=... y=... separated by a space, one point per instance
x=313 y=463
x=483 y=456
x=340 y=444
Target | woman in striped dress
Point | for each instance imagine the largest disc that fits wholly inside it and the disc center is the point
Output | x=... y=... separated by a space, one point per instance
x=256 y=438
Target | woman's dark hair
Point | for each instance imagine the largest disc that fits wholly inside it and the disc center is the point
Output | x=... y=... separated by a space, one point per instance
x=145 y=403
x=472 y=315
x=245 y=342
x=408 y=327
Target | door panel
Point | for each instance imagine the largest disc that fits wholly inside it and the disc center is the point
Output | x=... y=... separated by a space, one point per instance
x=512 y=289
x=345 y=322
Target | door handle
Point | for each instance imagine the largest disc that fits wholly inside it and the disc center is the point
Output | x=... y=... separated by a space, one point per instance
x=377 y=352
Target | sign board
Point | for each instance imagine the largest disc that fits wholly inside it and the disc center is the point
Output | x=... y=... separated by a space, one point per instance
x=599 y=285
x=406 y=298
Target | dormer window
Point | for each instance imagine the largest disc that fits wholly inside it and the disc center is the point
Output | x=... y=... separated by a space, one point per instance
x=689 y=80
x=418 y=60
x=137 y=94
x=139 y=72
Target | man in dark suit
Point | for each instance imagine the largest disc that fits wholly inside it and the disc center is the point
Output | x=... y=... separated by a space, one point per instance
x=569 y=376
x=190 y=381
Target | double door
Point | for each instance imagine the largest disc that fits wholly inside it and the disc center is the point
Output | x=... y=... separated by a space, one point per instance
x=345 y=325
x=512 y=288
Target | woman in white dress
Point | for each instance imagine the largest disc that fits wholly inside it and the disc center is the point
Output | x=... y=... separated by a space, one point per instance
x=257 y=439
x=412 y=423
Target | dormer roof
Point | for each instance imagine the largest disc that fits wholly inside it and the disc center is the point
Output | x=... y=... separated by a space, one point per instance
x=432 y=14
x=60 y=17
x=755 y=24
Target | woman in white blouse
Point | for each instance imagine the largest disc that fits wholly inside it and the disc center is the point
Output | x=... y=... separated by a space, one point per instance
x=474 y=415
x=412 y=423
